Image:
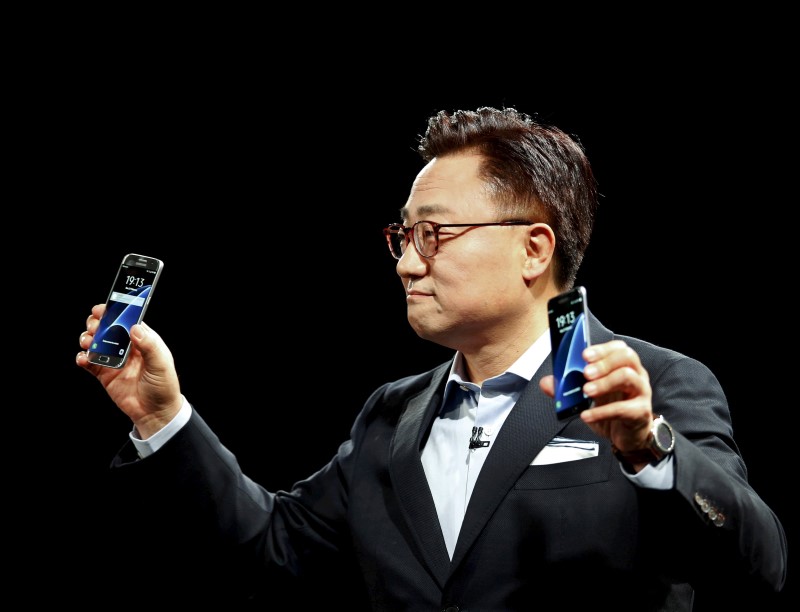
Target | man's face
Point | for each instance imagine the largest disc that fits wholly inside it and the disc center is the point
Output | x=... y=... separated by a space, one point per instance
x=467 y=294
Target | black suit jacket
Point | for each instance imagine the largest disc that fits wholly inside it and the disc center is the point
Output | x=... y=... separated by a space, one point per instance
x=572 y=535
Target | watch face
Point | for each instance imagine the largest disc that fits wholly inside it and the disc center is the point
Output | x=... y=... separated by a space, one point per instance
x=663 y=436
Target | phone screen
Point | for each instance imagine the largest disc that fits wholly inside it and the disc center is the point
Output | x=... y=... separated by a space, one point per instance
x=125 y=307
x=569 y=336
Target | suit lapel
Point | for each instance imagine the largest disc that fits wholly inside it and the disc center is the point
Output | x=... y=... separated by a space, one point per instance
x=408 y=476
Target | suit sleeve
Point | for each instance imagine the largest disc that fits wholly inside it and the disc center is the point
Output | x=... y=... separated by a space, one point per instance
x=191 y=506
x=712 y=527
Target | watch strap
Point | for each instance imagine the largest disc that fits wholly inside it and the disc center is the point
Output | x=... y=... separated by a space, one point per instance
x=653 y=452
x=649 y=454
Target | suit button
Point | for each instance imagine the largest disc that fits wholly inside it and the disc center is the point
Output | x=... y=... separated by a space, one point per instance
x=715 y=515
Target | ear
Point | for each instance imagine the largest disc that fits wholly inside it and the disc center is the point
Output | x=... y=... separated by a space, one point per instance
x=539 y=250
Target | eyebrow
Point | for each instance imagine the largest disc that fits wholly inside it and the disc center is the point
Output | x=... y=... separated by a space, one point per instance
x=425 y=210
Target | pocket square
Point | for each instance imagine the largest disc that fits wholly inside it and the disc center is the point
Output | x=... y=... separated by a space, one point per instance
x=559 y=450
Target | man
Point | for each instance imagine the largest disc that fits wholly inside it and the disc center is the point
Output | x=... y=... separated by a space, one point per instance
x=459 y=488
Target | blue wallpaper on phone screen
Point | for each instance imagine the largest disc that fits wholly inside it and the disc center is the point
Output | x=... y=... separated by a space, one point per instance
x=568 y=366
x=113 y=334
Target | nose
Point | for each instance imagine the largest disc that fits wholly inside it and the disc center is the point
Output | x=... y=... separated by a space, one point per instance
x=411 y=264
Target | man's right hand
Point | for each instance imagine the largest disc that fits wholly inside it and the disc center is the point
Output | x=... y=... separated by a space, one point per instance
x=147 y=387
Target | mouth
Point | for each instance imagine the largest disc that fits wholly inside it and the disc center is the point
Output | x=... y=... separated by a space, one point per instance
x=416 y=293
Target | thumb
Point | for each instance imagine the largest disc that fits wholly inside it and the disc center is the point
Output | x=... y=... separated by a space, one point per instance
x=548 y=385
x=157 y=357
x=162 y=389
x=142 y=337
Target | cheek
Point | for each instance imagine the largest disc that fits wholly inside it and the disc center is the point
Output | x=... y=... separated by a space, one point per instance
x=482 y=273
x=491 y=267
x=467 y=287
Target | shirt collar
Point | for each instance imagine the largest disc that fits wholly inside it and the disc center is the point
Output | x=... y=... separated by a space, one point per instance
x=524 y=367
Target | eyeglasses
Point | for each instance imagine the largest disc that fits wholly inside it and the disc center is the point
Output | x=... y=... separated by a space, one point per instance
x=426 y=235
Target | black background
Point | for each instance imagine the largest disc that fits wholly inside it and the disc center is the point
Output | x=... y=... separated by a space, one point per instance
x=263 y=181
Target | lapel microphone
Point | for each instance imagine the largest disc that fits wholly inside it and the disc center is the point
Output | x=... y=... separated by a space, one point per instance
x=475 y=440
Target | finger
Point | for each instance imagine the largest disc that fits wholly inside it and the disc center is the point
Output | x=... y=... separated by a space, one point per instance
x=94 y=319
x=82 y=359
x=632 y=411
x=85 y=340
x=548 y=385
x=605 y=358
x=92 y=323
x=599 y=351
x=625 y=380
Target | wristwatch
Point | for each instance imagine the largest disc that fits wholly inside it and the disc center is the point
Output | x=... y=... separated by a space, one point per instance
x=660 y=443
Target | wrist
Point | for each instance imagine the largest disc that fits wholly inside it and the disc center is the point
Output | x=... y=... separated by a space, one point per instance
x=660 y=443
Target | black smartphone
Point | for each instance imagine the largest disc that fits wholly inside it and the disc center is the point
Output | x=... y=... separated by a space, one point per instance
x=569 y=334
x=125 y=307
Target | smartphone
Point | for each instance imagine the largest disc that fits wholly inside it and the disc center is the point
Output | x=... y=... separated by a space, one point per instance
x=125 y=307
x=569 y=335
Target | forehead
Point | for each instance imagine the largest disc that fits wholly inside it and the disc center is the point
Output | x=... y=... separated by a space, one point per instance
x=448 y=188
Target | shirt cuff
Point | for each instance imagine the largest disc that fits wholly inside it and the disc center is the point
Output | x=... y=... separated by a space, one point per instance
x=145 y=448
x=659 y=476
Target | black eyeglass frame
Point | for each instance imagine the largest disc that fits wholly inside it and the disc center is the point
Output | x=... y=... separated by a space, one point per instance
x=396 y=228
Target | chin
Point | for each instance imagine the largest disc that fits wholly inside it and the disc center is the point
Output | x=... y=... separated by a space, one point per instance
x=423 y=331
x=435 y=335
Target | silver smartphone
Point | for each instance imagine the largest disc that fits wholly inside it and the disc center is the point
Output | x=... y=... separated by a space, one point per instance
x=568 y=315
x=125 y=307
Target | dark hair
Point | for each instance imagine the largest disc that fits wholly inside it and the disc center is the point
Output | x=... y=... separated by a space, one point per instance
x=532 y=171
